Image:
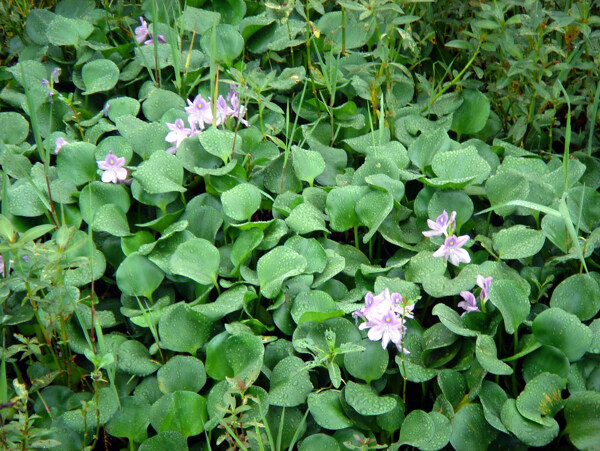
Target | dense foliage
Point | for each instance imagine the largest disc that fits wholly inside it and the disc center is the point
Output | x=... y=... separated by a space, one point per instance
x=313 y=225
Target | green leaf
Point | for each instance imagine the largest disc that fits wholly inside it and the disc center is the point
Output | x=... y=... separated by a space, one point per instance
x=426 y=431
x=312 y=251
x=518 y=242
x=276 y=266
x=426 y=146
x=138 y=276
x=131 y=420
x=183 y=329
x=369 y=364
x=111 y=219
x=165 y=440
x=541 y=398
x=77 y=162
x=181 y=411
x=461 y=164
x=229 y=44
x=527 y=431
x=319 y=441
x=563 y=330
x=14 y=128
x=308 y=164
x=290 y=383
x=219 y=142
x=372 y=209
x=578 y=294
x=96 y=194
x=546 y=359
x=99 y=75
x=65 y=31
x=244 y=354
x=311 y=301
x=181 y=372
x=305 y=218
x=145 y=138
x=582 y=412
x=472 y=115
x=341 y=204
x=245 y=243
x=470 y=431
x=134 y=358
x=326 y=409
x=198 y=20
x=365 y=401
x=197 y=259
x=241 y=201
x=486 y=353
x=122 y=106
x=159 y=102
x=161 y=173
x=451 y=201
x=452 y=320
x=492 y=399
x=512 y=301
x=229 y=301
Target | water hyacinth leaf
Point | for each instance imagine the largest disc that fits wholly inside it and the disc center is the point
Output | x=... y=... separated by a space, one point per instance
x=159 y=102
x=122 y=106
x=307 y=164
x=453 y=385
x=341 y=204
x=319 y=441
x=229 y=44
x=138 y=276
x=312 y=250
x=134 y=358
x=37 y=24
x=244 y=354
x=305 y=218
x=582 y=412
x=181 y=372
x=245 y=243
x=65 y=31
x=276 y=266
x=451 y=319
x=527 y=431
x=426 y=146
x=450 y=201
x=181 y=411
x=199 y=20
x=486 y=353
x=492 y=399
x=23 y=200
x=145 y=138
x=504 y=187
x=217 y=367
x=546 y=359
x=229 y=301
x=512 y=301
x=241 y=201
x=161 y=173
x=131 y=420
x=554 y=229
x=365 y=401
x=417 y=429
x=326 y=409
x=423 y=266
x=111 y=219
x=372 y=209
x=369 y=364
x=77 y=162
x=472 y=115
x=197 y=259
x=460 y=164
x=518 y=242
x=563 y=330
x=96 y=194
x=541 y=398
x=578 y=294
x=290 y=383
x=470 y=430
x=219 y=143
x=165 y=440
x=99 y=75
x=183 y=329
x=14 y=128
x=392 y=421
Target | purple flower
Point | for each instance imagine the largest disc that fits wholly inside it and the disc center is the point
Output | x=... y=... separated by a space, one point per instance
x=106 y=108
x=1 y=267
x=484 y=284
x=60 y=141
x=469 y=304
x=222 y=111
x=385 y=316
x=114 y=172
x=452 y=250
x=441 y=225
x=199 y=112
x=141 y=33
x=236 y=110
x=46 y=83
x=177 y=134
x=56 y=73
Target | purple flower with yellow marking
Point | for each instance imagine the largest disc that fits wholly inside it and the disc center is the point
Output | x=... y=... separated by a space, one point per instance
x=199 y=112
x=178 y=133
x=452 y=250
x=442 y=225
x=386 y=328
x=114 y=172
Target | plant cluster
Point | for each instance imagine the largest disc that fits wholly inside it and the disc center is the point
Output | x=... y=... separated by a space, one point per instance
x=313 y=225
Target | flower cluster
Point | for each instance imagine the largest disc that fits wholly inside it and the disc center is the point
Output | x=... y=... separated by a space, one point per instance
x=200 y=114
x=451 y=250
x=470 y=303
x=141 y=33
x=385 y=315
x=114 y=172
